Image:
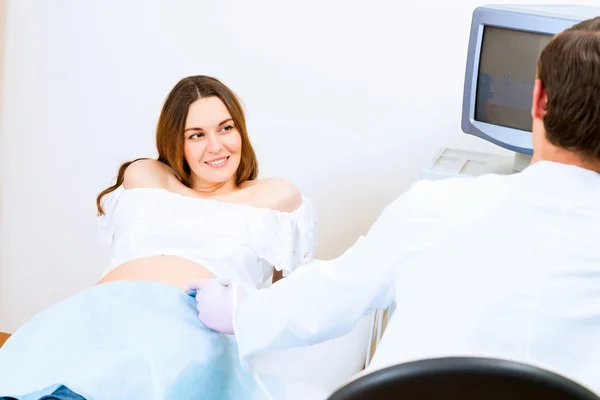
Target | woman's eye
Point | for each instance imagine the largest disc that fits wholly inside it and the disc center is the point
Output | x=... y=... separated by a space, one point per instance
x=227 y=128
x=196 y=135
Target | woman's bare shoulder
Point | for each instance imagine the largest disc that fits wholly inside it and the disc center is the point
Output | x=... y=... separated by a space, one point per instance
x=148 y=173
x=276 y=193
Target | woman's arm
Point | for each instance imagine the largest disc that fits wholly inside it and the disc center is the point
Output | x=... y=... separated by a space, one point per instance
x=283 y=196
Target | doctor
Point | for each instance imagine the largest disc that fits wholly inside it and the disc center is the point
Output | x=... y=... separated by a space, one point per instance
x=498 y=266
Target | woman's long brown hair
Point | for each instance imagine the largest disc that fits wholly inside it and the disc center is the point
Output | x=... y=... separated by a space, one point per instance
x=171 y=123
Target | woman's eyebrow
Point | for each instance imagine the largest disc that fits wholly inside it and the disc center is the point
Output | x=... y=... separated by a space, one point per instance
x=200 y=129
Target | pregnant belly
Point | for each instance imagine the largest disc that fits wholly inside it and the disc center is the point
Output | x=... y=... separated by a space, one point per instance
x=174 y=271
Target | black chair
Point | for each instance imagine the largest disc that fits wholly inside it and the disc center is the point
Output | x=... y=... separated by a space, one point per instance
x=463 y=378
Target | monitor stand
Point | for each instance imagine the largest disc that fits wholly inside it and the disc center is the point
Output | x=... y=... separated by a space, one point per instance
x=460 y=163
x=521 y=162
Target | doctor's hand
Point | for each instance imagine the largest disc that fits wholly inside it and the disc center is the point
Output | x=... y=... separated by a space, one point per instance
x=217 y=302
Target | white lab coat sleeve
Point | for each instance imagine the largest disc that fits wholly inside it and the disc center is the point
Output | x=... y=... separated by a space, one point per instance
x=325 y=299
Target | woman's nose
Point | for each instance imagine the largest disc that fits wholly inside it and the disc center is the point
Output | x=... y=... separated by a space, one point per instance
x=214 y=144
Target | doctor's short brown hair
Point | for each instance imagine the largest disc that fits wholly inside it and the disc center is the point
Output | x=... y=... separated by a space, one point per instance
x=569 y=70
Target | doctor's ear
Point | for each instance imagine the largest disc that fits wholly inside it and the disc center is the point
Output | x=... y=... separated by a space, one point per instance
x=540 y=100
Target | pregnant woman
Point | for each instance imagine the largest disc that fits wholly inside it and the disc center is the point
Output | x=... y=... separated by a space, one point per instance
x=196 y=212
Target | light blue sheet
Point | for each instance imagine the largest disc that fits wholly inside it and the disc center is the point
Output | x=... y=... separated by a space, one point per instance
x=125 y=340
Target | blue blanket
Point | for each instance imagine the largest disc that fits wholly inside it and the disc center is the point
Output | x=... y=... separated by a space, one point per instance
x=125 y=340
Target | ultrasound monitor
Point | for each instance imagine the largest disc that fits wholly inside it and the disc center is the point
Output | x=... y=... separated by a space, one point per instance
x=504 y=45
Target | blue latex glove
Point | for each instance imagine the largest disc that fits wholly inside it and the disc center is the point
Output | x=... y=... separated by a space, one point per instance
x=217 y=302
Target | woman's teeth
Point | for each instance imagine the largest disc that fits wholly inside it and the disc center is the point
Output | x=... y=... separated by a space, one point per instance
x=220 y=161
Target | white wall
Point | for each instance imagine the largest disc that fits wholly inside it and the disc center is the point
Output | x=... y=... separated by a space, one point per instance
x=2 y=63
x=348 y=99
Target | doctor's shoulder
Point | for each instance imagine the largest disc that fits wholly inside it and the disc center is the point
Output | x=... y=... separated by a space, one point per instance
x=451 y=194
x=275 y=193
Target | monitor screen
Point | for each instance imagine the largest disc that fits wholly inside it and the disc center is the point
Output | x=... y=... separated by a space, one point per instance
x=507 y=67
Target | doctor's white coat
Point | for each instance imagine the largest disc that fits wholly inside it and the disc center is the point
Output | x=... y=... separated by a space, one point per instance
x=497 y=266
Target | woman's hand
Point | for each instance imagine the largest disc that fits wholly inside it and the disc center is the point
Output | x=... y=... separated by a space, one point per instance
x=217 y=302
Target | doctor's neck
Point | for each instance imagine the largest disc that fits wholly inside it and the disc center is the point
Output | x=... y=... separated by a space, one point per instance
x=549 y=152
